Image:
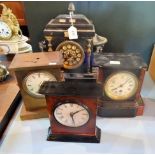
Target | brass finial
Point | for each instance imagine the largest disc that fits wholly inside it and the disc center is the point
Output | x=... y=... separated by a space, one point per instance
x=71 y=7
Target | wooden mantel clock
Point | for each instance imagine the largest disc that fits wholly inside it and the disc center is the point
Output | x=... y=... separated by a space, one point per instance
x=72 y=108
x=31 y=70
x=121 y=76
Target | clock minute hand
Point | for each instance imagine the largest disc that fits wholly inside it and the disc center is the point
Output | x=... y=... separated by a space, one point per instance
x=77 y=111
x=125 y=82
x=121 y=84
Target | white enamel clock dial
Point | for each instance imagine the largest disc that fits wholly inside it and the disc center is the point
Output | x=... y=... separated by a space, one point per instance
x=121 y=85
x=33 y=81
x=71 y=114
x=5 y=31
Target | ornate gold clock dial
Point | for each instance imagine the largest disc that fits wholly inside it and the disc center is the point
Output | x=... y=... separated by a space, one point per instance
x=71 y=114
x=73 y=54
x=5 y=31
x=121 y=85
x=33 y=81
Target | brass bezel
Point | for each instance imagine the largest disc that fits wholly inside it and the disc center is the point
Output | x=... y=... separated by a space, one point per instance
x=124 y=97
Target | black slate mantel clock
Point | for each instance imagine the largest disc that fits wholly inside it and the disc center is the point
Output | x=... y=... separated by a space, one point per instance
x=121 y=76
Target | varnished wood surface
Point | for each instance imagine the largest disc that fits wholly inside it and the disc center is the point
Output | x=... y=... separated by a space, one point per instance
x=57 y=128
x=8 y=92
x=33 y=114
x=9 y=95
x=26 y=63
x=38 y=59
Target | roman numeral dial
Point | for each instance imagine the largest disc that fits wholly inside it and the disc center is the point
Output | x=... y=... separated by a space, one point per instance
x=71 y=114
x=33 y=81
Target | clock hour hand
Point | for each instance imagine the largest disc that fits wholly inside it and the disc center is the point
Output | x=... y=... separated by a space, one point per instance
x=71 y=115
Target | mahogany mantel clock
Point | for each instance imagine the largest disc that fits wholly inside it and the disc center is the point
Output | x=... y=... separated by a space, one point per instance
x=72 y=108
x=121 y=76
x=31 y=70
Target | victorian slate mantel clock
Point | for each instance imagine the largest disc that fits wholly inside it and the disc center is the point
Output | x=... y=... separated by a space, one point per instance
x=121 y=76
x=72 y=108
x=31 y=70
x=77 y=53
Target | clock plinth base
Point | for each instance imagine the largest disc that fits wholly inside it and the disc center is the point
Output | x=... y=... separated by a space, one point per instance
x=75 y=138
x=35 y=114
x=117 y=109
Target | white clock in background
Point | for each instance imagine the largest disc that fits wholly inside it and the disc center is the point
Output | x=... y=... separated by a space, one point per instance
x=33 y=81
x=5 y=31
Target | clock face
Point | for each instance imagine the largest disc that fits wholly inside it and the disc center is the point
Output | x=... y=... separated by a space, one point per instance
x=121 y=85
x=73 y=54
x=33 y=81
x=71 y=114
x=5 y=31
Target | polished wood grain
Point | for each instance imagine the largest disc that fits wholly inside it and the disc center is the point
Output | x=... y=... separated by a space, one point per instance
x=9 y=95
x=87 y=129
x=33 y=114
x=39 y=60
x=8 y=91
x=8 y=88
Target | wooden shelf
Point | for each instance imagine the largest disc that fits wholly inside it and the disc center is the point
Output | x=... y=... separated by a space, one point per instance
x=9 y=95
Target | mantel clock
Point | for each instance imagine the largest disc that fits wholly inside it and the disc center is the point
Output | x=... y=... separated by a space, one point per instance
x=72 y=108
x=121 y=76
x=31 y=70
x=11 y=39
x=77 y=52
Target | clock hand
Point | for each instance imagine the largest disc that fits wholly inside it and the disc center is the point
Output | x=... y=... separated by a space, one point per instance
x=77 y=111
x=71 y=115
x=121 y=84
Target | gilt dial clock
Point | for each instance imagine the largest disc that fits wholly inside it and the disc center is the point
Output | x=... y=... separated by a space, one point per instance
x=77 y=51
x=73 y=54
x=121 y=76
x=121 y=85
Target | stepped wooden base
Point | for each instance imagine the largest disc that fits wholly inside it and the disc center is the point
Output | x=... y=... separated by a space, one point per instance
x=75 y=138
x=35 y=114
